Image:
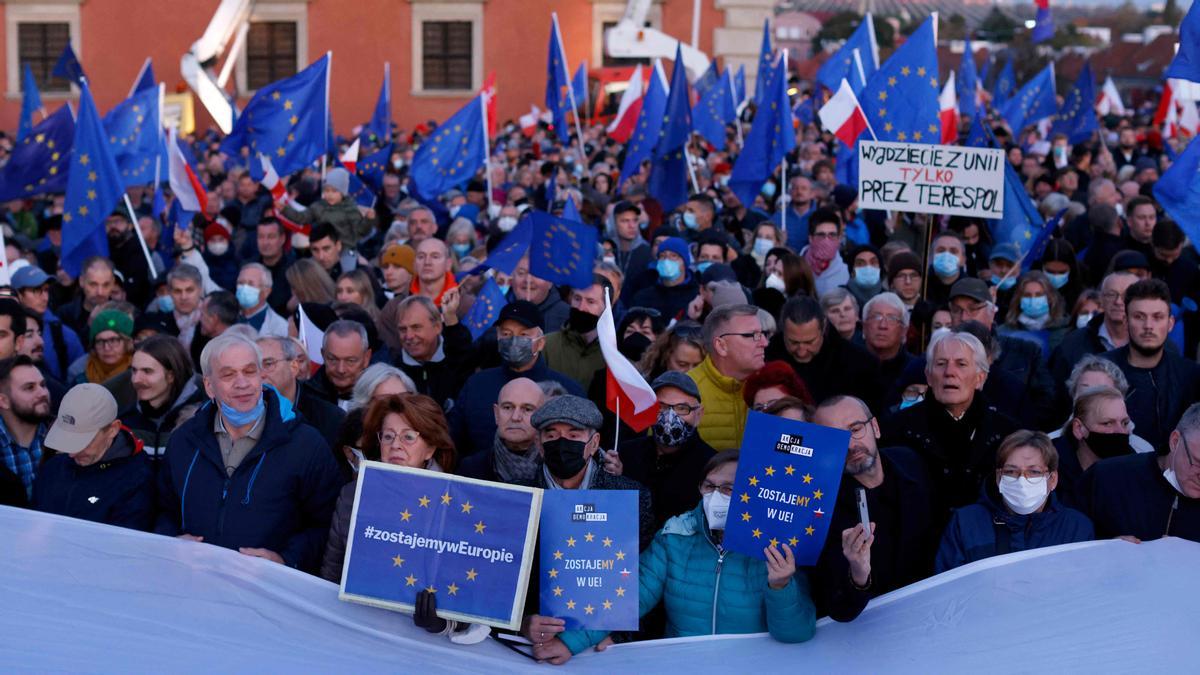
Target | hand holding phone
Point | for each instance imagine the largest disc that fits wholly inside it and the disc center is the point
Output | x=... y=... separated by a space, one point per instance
x=861 y=497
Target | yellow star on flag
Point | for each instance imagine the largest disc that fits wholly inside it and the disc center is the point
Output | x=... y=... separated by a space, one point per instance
x=91 y=194
x=620 y=555
x=807 y=477
x=431 y=589
x=480 y=527
x=281 y=152
x=83 y=210
x=589 y=609
x=620 y=592
x=558 y=555
x=275 y=96
x=916 y=135
x=446 y=498
x=558 y=591
x=589 y=536
x=405 y=515
x=770 y=471
x=905 y=71
x=83 y=159
x=424 y=501
x=774 y=541
x=287 y=105
x=293 y=119
x=466 y=507
x=92 y=176
x=607 y=604
x=607 y=542
x=793 y=541
x=570 y=541
x=570 y=604
x=471 y=574
x=410 y=580
x=817 y=494
x=553 y=573
x=452 y=589
x=397 y=561
x=753 y=481
x=746 y=515
x=920 y=71
x=757 y=533
x=789 y=469
x=745 y=497
x=809 y=530
x=902 y=136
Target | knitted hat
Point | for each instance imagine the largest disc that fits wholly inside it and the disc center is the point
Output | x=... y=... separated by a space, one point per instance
x=214 y=230
x=400 y=255
x=677 y=246
x=111 y=319
x=904 y=260
x=338 y=179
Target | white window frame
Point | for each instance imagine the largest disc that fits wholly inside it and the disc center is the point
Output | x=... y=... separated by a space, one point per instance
x=46 y=11
x=427 y=10
x=276 y=12
x=611 y=11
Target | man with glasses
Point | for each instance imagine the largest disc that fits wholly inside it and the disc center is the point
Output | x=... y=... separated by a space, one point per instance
x=858 y=565
x=281 y=366
x=1105 y=332
x=671 y=459
x=885 y=323
x=736 y=342
x=1141 y=497
x=828 y=364
x=346 y=353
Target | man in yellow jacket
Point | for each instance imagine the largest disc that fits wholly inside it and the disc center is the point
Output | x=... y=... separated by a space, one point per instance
x=736 y=343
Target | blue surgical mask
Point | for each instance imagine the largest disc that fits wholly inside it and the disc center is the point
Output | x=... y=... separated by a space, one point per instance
x=703 y=265
x=668 y=270
x=866 y=277
x=247 y=296
x=945 y=264
x=689 y=220
x=166 y=303
x=768 y=190
x=460 y=250
x=1059 y=280
x=762 y=246
x=241 y=419
x=908 y=403
x=1035 y=308
x=503 y=288
x=1004 y=283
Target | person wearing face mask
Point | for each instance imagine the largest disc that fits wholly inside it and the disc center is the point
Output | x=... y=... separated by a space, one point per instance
x=949 y=263
x=823 y=251
x=219 y=256
x=676 y=285
x=865 y=276
x=1018 y=511
x=1099 y=429
x=253 y=289
x=1001 y=261
x=574 y=350
x=1036 y=312
x=671 y=459
x=1060 y=263
x=744 y=595
x=520 y=341
x=698 y=214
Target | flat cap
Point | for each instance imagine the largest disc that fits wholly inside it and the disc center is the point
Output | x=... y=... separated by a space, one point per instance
x=674 y=378
x=573 y=410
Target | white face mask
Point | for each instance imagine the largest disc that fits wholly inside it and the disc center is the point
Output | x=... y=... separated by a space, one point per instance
x=1169 y=474
x=218 y=247
x=1024 y=495
x=1083 y=320
x=506 y=223
x=299 y=240
x=775 y=281
x=716 y=509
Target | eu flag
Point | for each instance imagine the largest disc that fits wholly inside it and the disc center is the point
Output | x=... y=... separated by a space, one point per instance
x=843 y=65
x=968 y=80
x=135 y=136
x=486 y=309
x=1044 y=28
x=1186 y=64
x=714 y=110
x=40 y=162
x=1006 y=84
x=31 y=100
x=561 y=251
x=1178 y=190
x=94 y=188
x=788 y=473
x=579 y=84
x=1077 y=117
x=470 y=542
x=558 y=93
x=287 y=121
x=570 y=211
x=650 y=119
x=145 y=78
x=452 y=155
x=1034 y=101
x=771 y=137
x=372 y=167
x=68 y=67
x=739 y=85
x=764 y=64
x=380 y=125
x=980 y=135
x=361 y=192
x=512 y=248
x=901 y=98
x=1021 y=222
x=707 y=79
x=669 y=173
x=1038 y=248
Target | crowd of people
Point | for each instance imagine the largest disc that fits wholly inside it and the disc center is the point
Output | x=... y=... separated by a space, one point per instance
x=994 y=404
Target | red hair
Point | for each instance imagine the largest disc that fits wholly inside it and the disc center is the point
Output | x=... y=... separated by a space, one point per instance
x=776 y=374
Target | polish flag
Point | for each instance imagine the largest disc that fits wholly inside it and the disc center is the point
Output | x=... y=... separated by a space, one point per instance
x=843 y=116
x=184 y=183
x=529 y=121
x=948 y=110
x=311 y=337
x=489 y=100
x=1189 y=118
x=279 y=196
x=622 y=126
x=627 y=393
x=1110 y=99
x=350 y=157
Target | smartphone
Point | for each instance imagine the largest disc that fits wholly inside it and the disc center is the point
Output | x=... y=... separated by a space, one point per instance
x=861 y=496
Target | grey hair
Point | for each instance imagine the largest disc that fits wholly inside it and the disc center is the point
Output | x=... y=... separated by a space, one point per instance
x=720 y=317
x=374 y=376
x=1097 y=363
x=551 y=388
x=344 y=327
x=268 y=281
x=462 y=226
x=835 y=297
x=185 y=272
x=242 y=329
x=287 y=346
x=768 y=322
x=423 y=301
x=1190 y=422
x=967 y=340
x=891 y=300
x=222 y=342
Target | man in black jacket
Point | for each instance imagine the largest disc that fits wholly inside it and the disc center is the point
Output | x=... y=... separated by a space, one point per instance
x=281 y=364
x=828 y=364
x=437 y=350
x=512 y=459
x=1105 y=332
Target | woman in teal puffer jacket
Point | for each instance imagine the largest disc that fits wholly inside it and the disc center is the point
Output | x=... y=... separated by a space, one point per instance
x=706 y=589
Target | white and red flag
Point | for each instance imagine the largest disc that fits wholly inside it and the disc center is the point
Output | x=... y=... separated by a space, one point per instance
x=843 y=116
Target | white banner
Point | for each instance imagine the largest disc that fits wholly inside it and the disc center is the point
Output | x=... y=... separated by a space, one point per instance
x=943 y=179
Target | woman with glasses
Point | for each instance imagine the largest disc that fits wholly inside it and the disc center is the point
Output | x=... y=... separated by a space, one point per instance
x=774 y=381
x=680 y=348
x=707 y=589
x=405 y=430
x=1016 y=512
x=111 y=334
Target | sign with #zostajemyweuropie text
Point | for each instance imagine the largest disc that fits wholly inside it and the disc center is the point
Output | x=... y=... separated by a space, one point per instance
x=786 y=486
x=943 y=179
x=589 y=558
x=468 y=541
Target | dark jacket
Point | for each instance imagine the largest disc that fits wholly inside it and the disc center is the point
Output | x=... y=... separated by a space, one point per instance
x=634 y=261
x=1158 y=396
x=673 y=478
x=334 y=557
x=319 y=386
x=12 y=490
x=671 y=301
x=321 y=415
x=987 y=528
x=62 y=345
x=154 y=432
x=279 y=498
x=1076 y=345
x=117 y=490
x=442 y=380
x=840 y=368
x=905 y=537
x=281 y=290
x=482 y=465
x=1024 y=361
x=1129 y=495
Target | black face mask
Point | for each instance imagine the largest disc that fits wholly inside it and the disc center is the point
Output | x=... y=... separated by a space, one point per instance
x=633 y=346
x=582 y=322
x=564 y=457
x=1108 y=445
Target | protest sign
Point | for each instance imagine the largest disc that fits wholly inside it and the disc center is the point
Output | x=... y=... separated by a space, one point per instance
x=942 y=179
x=468 y=541
x=589 y=558
x=788 y=475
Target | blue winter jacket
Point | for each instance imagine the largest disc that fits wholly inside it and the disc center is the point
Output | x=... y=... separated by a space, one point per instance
x=116 y=490
x=971 y=534
x=707 y=591
x=280 y=497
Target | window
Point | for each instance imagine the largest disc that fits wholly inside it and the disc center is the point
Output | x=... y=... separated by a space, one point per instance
x=270 y=52
x=446 y=57
x=40 y=45
x=35 y=33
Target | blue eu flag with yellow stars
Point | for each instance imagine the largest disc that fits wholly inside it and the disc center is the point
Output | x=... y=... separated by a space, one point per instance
x=94 y=188
x=669 y=172
x=901 y=98
x=1178 y=190
x=786 y=486
x=1006 y=84
x=588 y=543
x=771 y=138
x=486 y=309
x=1021 y=222
x=1034 y=101
x=31 y=101
x=372 y=167
x=68 y=67
x=286 y=120
x=40 y=162
x=765 y=57
x=561 y=251
x=469 y=542
x=714 y=110
x=453 y=154
x=842 y=64
x=645 y=134
x=135 y=136
x=739 y=85
x=558 y=83
x=512 y=248
x=380 y=125
x=968 y=81
x=980 y=135
x=1077 y=117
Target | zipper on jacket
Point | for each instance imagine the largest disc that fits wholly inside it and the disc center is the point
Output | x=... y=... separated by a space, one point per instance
x=221 y=508
x=717 y=589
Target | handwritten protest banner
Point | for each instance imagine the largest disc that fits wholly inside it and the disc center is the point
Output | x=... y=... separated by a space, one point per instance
x=942 y=179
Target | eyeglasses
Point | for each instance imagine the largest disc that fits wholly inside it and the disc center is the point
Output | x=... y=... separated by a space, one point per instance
x=1031 y=474
x=875 y=317
x=680 y=409
x=859 y=429
x=108 y=343
x=824 y=235
x=908 y=276
x=706 y=488
x=350 y=362
x=1110 y=296
x=956 y=310
x=1187 y=452
x=388 y=439
x=753 y=335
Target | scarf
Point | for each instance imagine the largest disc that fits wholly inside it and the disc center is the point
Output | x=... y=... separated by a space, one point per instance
x=514 y=468
x=97 y=372
x=820 y=254
x=552 y=482
x=1030 y=323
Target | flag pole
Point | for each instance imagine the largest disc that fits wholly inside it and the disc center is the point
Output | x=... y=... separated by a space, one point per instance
x=487 y=153
x=142 y=240
x=617 y=424
x=691 y=169
x=783 y=181
x=737 y=122
x=4 y=258
x=587 y=170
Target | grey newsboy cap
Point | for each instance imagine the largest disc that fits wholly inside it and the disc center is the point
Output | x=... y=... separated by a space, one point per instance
x=674 y=378
x=574 y=410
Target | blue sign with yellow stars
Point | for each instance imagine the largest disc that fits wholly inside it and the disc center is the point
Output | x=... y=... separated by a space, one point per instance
x=589 y=555
x=470 y=542
x=786 y=486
